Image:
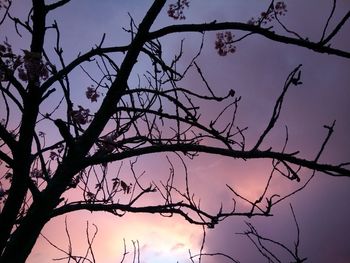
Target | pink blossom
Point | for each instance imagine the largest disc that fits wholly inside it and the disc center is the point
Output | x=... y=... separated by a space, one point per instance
x=279 y=9
x=11 y=61
x=36 y=173
x=92 y=94
x=125 y=187
x=2 y=49
x=53 y=155
x=107 y=144
x=224 y=43
x=80 y=116
x=33 y=67
x=22 y=74
x=176 y=10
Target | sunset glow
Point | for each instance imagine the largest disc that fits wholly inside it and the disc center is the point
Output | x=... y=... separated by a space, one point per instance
x=248 y=78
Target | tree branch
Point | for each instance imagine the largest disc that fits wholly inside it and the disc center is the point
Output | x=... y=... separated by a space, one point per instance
x=336 y=29
x=325 y=168
x=6 y=158
x=317 y=47
x=7 y=138
x=166 y=210
x=79 y=60
x=57 y=4
x=292 y=79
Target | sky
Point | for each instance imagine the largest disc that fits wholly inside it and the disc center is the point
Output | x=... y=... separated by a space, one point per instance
x=256 y=71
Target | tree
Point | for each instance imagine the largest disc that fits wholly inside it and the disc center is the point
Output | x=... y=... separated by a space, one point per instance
x=41 y=170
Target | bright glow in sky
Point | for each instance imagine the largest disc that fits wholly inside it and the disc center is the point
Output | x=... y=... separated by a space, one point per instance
x=256 y=72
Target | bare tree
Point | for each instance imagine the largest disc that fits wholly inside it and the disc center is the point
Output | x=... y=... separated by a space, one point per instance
x=157 y=116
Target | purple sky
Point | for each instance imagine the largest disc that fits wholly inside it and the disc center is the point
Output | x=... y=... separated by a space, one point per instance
x=256 y=71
